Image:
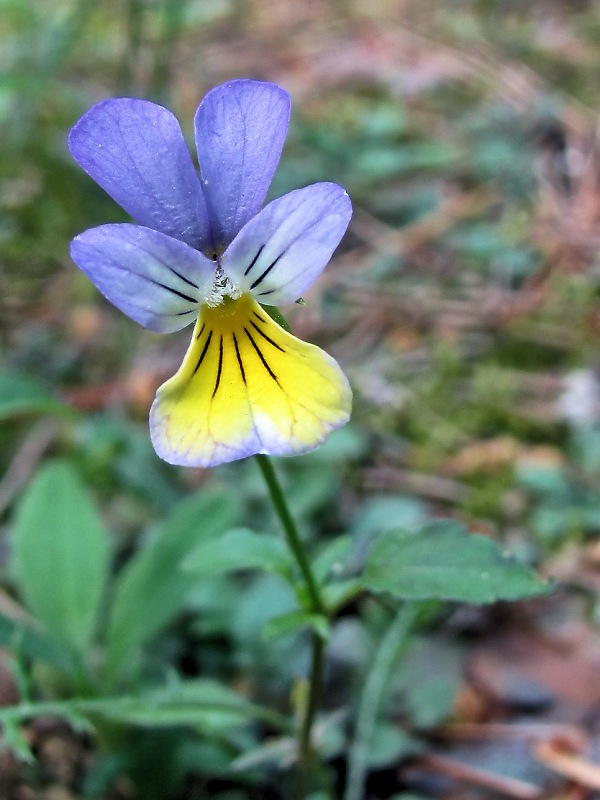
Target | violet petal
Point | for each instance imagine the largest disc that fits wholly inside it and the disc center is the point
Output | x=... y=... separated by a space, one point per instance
x=157 y=281
x=282 y=250
x=136 y=152
x=240 y=131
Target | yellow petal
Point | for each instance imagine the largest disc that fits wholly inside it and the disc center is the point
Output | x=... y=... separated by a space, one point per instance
x=247 y=386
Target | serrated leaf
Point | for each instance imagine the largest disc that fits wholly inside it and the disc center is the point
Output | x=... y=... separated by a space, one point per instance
x=153 y=588
x=14 y=740
x=212 y=715
x=443 y=561
x=201 y=704
x=73 y=711
x=61 y=554
x=22 y=395
x=240 y=549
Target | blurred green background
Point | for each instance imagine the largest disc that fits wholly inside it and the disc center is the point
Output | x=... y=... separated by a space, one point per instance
x=463 y=304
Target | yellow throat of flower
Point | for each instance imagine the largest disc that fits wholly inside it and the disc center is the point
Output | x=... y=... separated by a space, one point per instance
x=247 y=386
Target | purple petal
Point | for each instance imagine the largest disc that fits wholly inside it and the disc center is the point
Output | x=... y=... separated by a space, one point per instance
x=240 y=130
x=135 y=150
x=280 y=252
x=154 y=279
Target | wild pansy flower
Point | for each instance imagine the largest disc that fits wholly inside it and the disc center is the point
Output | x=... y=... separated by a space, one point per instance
x=204 y=251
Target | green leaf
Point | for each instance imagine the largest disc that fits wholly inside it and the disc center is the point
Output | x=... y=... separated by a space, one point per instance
x=390 y=744
x=429 y=679
x=331 y=561
x=153 y=588
x=371 y=697
x=21 y=395
x=338 y=594
x=34 y=644
x=408 y=796
x=330 y=568
x=259 y=600
x=201 y=704
x=295 y=621
x=309 y=490
x=383 y=513
x=277 y=317
x=240 y=549
x=345 y=444
x=61 y=554
x=442 y=560
x=545 y=480
x=278 y=752
x=15 y=741
x=328 y=739
x=377 y=162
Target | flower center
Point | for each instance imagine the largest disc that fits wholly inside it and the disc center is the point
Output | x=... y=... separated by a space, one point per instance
x=222 y=287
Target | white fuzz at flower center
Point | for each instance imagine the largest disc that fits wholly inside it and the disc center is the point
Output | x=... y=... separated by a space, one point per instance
x=222 y=287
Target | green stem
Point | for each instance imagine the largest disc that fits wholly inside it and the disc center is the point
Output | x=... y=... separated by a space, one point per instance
x=305 y=754
x=291 y=533
x=370 y=701
x=305 y=749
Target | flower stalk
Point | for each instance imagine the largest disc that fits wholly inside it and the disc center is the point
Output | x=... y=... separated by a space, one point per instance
x=291 y=533
x=317 y=606
x=305 y=749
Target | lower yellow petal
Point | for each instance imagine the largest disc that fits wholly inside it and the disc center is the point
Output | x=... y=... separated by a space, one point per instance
x=247 y=386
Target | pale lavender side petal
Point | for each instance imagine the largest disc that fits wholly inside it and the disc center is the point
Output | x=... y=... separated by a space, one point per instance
x=154 y=279
x=136 y=151
x=240 y=131
x=280 y=252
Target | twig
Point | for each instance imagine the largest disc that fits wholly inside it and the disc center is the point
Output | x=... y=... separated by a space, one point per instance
x=494 y=731
x=569 y=765
x=464 y=772
x=26 y=460
x=430 y=486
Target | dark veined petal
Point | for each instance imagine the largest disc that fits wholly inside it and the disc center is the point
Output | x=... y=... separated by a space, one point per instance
x=280 y=252
x=136 y=152
x=247 y=386
x=154 y=279
x=240 y=131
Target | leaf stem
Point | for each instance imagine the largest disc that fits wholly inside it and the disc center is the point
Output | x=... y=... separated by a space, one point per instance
x=370 y=701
